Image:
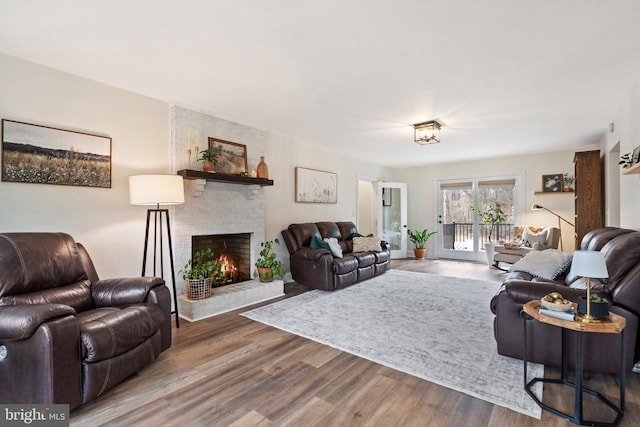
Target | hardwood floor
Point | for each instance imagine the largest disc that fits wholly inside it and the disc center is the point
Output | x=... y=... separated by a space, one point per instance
x=231 y=371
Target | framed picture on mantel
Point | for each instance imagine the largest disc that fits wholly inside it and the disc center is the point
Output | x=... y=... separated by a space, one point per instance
x=552 y=183
x=232 y=157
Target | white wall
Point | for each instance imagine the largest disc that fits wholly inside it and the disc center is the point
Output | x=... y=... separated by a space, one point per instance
x=102 y=219
x=422 y=198
x=627 y=132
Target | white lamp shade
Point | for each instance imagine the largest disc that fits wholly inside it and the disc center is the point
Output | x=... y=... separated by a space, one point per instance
x=156 y=190
x=589 y=264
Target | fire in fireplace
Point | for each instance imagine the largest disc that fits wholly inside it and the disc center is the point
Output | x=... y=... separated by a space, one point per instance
x=231 y=251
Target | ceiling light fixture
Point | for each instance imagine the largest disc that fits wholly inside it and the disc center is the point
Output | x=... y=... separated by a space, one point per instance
x=427 y=132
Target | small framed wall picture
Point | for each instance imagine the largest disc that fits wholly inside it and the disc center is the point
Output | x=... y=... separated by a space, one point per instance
x=635 y=157
x=552 y=183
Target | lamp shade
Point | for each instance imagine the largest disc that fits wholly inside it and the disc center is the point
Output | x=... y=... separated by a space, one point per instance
x=156 y=190
x=589 y=264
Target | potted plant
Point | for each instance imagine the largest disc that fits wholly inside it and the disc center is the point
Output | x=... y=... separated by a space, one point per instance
x=567 y=182
x=209 y=158
x=599 y=306
x=199 y=272
x=492 y=215
x=268 y=266
x=419 y=239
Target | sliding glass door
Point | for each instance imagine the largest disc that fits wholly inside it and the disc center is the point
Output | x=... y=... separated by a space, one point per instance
x=462 y=233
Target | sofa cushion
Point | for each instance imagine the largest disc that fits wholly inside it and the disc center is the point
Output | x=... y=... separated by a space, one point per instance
x=345 y=265
x=530 y=239
x=318 y=243
x=329 y=229
x=334 y=246
x=75 y=295
x=107 y=332
x=365 y=259
x=365 y=244
x=546 y=264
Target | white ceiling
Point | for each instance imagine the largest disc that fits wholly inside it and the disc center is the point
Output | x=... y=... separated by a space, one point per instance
x=505 y=76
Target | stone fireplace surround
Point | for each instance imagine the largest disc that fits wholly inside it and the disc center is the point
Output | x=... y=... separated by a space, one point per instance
x=214 y=207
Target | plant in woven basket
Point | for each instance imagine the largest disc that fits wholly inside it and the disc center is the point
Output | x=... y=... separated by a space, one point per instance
x=199 y=272
x=268 y=266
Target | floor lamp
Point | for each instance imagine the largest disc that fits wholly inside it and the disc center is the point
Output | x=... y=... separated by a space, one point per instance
x=156 y=190
x=538 y=208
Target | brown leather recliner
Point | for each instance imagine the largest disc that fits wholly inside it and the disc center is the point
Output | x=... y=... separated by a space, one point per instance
x=65 y=335
x=621 y=248
x=317 y=268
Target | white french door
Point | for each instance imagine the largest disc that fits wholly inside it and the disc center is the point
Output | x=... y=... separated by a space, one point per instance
x=462 y=234
x=391 y=198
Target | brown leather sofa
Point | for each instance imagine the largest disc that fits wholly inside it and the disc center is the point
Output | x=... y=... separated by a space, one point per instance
x=317 y=268
x=621 y=248
x=65 y=335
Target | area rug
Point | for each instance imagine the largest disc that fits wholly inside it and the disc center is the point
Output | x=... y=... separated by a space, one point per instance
x=433 y=327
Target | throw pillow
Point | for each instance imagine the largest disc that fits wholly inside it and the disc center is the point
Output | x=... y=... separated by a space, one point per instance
x=547 y=264
x=334 y=246
x=366 y=244
x=318 y=243
x=530 y=239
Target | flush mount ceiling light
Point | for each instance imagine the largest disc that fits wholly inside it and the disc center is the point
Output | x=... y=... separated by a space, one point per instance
x=427 y=132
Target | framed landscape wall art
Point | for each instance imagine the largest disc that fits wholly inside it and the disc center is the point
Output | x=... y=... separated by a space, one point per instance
x=46 y=155
x=232 y=157
x=552 y=183
x=314 y=186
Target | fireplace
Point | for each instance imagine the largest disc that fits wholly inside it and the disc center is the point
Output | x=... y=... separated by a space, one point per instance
x=232 y=251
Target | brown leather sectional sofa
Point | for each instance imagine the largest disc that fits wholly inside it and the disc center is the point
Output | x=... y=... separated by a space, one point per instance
x=65 y=335
x=621 y=248
x=317 y=268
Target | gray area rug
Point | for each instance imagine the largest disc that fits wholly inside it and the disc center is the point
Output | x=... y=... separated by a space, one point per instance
x=433 y=327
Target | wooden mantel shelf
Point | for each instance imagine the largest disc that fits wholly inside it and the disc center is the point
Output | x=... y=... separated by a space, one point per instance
x=224 y=177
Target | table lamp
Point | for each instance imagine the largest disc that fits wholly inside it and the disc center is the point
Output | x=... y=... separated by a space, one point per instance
x=589 y=264
x=156 y=190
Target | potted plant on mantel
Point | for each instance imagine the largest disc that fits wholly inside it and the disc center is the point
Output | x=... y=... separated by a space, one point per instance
x=199 y=272
x=419 y=240
x=268 y=266
x=492 y=215
x=209 y=159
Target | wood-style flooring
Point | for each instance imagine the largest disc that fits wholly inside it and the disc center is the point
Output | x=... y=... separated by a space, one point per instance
x=232 y=371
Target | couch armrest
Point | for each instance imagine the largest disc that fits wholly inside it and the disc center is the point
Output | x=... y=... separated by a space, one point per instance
x=309 y=254
x=523 y=291
x=113 y=292
x=21 y=321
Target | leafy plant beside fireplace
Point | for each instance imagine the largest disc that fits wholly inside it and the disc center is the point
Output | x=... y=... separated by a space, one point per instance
x=268 y=266
x=199 y=272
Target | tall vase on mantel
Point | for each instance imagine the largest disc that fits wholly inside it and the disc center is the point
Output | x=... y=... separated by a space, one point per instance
x=262 y=169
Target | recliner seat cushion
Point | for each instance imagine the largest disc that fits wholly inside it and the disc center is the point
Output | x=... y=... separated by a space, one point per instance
x=110 y=331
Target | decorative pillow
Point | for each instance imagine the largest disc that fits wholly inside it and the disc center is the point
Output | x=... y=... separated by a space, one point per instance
x=318 y=243
x=366 y=244
x=546 y=264
x=530 y=239
x=359 y=235
x=334 y=246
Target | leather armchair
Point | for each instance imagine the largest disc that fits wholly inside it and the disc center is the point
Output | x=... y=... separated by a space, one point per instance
x=511 y=255
x=621 y=248
x=67 y=336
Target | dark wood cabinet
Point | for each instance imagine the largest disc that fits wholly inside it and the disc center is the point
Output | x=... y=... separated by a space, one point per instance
x=589 y=193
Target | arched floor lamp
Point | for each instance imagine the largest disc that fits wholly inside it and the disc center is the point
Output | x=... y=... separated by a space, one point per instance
x=156 y=190
x=538 y=208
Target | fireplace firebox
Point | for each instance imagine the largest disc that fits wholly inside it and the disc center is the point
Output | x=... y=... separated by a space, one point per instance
x=231 y=251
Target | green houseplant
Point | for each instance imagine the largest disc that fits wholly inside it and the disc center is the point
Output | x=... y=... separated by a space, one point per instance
x=268 y=266
x=198 y=273
x=419 y=240
x=209 y=158
x=492 y=215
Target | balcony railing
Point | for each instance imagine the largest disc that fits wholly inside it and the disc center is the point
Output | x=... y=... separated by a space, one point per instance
x=459 y=235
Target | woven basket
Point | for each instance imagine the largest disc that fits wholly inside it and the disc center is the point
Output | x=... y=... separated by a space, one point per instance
x=198 y=289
